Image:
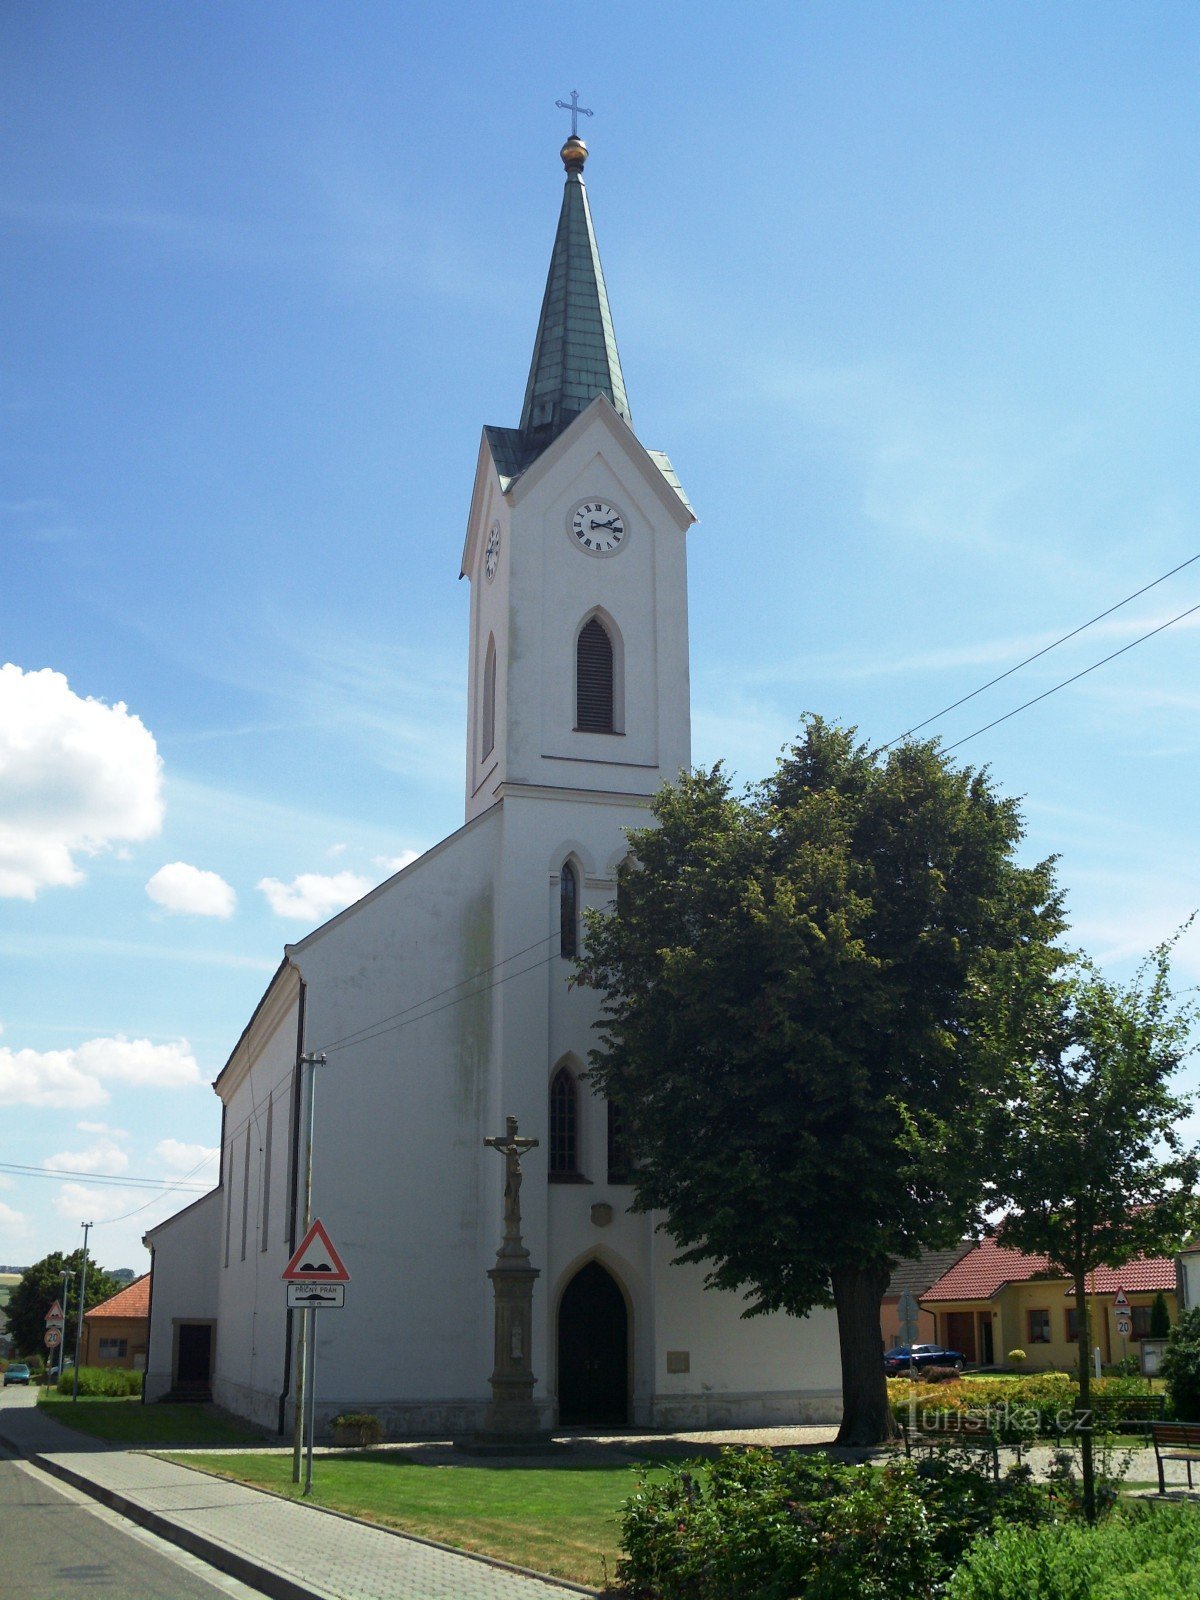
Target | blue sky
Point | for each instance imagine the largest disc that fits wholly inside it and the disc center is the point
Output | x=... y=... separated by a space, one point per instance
x=907 y=293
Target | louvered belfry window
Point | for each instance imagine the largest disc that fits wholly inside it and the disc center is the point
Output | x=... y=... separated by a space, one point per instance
x=564 y=1133
x=594 y=679
x=568 y=910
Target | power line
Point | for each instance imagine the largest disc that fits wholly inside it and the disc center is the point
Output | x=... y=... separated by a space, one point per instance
x=110 y=1179
x=1045 y=650
x=995 y=722
x=180 y=1185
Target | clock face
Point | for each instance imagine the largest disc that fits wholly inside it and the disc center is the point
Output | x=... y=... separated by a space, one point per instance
x=598 y=528
x=491 y=557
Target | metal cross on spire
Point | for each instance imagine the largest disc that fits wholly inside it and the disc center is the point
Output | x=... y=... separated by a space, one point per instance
x=575 y=109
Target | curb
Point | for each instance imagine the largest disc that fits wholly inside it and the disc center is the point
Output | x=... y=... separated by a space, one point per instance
x=208 y=1550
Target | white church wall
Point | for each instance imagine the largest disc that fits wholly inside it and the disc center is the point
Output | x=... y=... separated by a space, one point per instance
x=257 y=1087
x=183 y=1287
x=399 y=1173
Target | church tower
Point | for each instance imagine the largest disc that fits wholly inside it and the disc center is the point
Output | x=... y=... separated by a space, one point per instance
x=575 y=554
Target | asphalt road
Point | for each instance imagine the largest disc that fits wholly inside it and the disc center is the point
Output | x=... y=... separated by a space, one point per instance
x=56 y=1543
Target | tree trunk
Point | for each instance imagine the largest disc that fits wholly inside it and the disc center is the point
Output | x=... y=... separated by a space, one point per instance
x=1083 y=1411
x=866 y=1416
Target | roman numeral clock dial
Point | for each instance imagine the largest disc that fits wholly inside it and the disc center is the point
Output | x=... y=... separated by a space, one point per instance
x=597 y=527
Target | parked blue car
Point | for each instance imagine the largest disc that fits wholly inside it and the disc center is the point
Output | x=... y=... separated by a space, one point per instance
x=16 y=1372
x=898 y=1361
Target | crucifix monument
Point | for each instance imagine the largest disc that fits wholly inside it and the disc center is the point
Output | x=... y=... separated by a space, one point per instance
x=511 y=1423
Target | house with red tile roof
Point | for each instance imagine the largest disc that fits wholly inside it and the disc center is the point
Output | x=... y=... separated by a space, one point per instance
x=995 y=1300
x=116 y=1332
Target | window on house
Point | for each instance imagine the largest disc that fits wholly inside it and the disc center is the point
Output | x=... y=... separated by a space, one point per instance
x=1140 y=1317
x=568 y=910
x=488 y=740
x=1072 y=1322
x=113 y=1349
x=564 y=1124
x=594 y=679
x=1039 y=1327
x=618 y=1146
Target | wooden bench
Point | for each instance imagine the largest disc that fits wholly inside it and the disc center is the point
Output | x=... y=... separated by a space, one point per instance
x=950 y=1429
x=1175 y=1441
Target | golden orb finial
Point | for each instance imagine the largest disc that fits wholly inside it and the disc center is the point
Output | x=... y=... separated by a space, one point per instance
x=574 y=153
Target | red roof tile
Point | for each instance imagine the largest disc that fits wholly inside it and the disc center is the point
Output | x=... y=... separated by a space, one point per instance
x=987 y=1268
x=131 y=1301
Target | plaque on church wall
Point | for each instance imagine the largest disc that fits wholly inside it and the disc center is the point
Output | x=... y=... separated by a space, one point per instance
x=679 y=1360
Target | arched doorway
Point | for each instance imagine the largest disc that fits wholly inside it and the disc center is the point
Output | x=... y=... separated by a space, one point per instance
x=593 y=1351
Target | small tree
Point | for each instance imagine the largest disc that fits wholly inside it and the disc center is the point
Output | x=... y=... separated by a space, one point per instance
x=1094 y=1171
x=1160 y=1317
x=1181 y=1366
x=41 y=1285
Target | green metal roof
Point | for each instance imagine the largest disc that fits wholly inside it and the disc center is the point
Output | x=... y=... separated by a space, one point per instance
x=575 y=353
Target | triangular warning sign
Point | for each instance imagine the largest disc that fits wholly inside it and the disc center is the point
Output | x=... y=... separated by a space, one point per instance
x=55 y=1313
x=316 y=1260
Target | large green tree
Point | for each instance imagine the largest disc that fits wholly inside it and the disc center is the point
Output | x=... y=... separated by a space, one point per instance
x=812 y=996
x=40 y=1286
x=1092 y=1169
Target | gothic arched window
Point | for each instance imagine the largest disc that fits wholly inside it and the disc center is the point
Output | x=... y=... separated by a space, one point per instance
x=594 y=679
x=564 y=1124
x=488 y=741
x=568 y=910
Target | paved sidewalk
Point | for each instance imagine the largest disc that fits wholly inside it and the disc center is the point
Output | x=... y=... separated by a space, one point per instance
x=288 y=1551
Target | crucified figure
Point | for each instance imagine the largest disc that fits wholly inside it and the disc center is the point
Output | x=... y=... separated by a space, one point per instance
x=512 y=1149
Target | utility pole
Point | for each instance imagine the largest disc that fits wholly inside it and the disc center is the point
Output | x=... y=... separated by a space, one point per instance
x=87 y=1227
x=67 y=1277
x=306 y=1346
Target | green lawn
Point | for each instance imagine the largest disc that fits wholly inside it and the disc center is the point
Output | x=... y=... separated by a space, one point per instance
x=127 y=1421
x=558 y=1519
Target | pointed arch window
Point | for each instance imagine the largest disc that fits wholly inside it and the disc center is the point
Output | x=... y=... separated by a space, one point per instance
x=568 y=910
x=488 y=739
x=564 y=1125
x=594 y=679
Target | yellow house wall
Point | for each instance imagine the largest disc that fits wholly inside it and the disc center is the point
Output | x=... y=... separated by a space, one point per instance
x=1009 y=1310
x=131 y=1329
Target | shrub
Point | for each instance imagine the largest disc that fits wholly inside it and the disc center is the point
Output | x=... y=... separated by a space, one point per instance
x=114 y=1382
x=1039 y=1403
x=1181 y=1366
x=357 y=1427
x=1017 y=1358
x=751 y=1526
x=1160 y=1317
x=1143 y=1553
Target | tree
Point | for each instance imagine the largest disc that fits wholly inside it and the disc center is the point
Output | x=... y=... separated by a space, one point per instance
x=41 y=1285
x=1160 y=1317
x=1181 y=1366
x=1093 y=1170
x=812 y=993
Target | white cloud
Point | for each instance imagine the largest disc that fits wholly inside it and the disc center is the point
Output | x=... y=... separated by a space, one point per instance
x=179 y=887
x=16 y=1220
x=75 y=1201
x=314 y=895
x=75 y=1079
x=177 y=1157
x=335 y=850
x=76 y=776
x=104 y=1156
x=391 y=864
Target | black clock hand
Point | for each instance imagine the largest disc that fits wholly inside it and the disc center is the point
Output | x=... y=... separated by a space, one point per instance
x=610 y=525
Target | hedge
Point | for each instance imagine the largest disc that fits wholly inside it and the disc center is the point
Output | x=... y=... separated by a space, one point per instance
x=1039 y=1405
x=112 y=1381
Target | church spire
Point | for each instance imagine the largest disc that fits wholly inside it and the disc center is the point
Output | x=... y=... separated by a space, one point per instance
x=575 y=353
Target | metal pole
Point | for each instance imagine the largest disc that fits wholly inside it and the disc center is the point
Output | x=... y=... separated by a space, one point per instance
x=66 y=1302
x=87 y=1226
x=312 y=1397
x=302 y=1363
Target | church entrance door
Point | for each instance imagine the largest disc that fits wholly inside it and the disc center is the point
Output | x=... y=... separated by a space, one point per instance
x=593 y=1351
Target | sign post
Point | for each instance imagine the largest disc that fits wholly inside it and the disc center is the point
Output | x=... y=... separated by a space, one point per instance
x=316 y=1279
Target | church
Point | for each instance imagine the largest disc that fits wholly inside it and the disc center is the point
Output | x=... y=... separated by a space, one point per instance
x=442 y=1004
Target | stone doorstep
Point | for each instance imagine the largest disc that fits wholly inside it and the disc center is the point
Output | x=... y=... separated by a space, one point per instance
x=253 y=1573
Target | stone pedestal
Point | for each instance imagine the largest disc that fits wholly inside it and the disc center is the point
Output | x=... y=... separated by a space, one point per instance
x=511 y=1425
